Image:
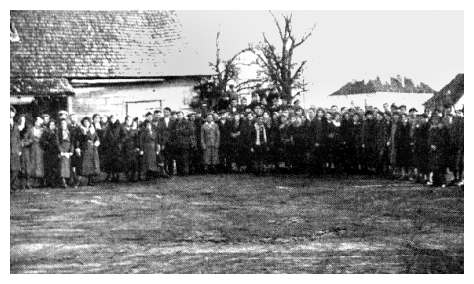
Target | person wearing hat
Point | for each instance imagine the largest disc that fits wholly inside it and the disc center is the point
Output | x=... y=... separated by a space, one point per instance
x=15 y=150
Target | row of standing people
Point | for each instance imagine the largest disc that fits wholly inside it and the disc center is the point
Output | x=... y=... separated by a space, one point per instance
x=314 y=142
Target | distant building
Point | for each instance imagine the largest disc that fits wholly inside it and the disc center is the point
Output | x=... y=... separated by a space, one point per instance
x=375 y=93
x=107 y=62
x=451 y=95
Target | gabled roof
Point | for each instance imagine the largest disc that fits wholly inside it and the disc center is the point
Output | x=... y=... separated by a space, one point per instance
x=99 y=44
x=396 y=85
x=448 y=95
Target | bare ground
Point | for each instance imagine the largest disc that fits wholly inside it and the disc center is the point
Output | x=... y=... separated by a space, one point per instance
x=239 y=224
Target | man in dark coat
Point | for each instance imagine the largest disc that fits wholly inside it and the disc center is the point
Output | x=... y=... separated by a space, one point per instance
x=195 y=154
x=181 y=136
x=15 y=150
x=421 y=148
x=369 y=141
x=246 y=127
x=259 y=145
x=382 y=137
x=165 y=130
x=224 y=149
x=317 y=135
x=437 y=141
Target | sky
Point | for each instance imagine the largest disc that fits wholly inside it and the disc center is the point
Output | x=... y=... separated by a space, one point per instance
x=426 y=46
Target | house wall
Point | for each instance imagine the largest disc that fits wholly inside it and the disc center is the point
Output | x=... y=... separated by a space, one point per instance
x=415 y=100
x=140 y=98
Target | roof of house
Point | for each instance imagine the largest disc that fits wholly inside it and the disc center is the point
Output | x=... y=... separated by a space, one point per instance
x=40 y=87
x=449 y=94
x=396 y=85
x=99 y=44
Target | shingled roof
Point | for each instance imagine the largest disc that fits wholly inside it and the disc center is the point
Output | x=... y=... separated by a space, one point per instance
x=397 y=85
x=98 y=44
x=448 y=95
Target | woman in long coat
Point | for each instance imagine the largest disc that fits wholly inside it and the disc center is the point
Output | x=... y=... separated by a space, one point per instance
x=49 y=143
x=149 y=149
x=113 y=140
x=65 y=152
x=89 y=144
x=100 y=128
x=35 y=166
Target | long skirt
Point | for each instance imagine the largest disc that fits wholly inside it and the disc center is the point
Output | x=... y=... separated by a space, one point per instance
x=149 y=158
x=90 y=165
x=64 y=167
x=36 y=161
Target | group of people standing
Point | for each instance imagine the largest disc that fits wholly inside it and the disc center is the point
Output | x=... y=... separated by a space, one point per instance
x=259 y=137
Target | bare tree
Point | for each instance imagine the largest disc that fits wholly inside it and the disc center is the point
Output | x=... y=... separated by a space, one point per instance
x=226 y=70
x=278 y=65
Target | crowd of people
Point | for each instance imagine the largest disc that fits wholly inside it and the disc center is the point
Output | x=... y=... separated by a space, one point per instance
x=260 y=137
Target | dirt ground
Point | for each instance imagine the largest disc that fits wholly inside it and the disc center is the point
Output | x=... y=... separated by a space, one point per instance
x=239 y=224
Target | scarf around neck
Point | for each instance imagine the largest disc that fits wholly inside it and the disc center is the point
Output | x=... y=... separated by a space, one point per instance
x=259 y=128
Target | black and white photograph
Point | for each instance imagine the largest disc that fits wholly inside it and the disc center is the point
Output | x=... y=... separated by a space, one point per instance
x=175 y=141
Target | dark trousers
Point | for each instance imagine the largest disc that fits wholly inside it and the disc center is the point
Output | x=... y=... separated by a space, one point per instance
x=168 y=155
x=225 y=157
x=259 y=156
x=182 y=161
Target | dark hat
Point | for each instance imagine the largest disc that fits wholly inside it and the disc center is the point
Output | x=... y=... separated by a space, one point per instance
x=148 y=113
x=369 y=112
x=413 y=110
